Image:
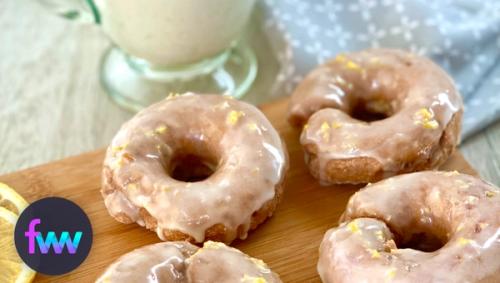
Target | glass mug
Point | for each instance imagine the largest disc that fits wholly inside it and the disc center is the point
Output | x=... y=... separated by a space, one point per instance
x=169 y=46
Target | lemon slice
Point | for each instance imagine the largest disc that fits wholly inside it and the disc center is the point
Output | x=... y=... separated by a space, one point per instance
x=11 y=200
x=12 y=268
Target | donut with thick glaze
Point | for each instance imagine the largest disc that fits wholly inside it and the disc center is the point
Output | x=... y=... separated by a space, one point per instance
x=182 y=262
x=421 y=227
x=416 y=108
x=150 y=164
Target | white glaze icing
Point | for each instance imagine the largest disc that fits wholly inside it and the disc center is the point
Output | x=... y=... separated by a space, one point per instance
x=163 y=262
x=216 y=262
x=251 y=163
x=181 y=262
x=460 y=210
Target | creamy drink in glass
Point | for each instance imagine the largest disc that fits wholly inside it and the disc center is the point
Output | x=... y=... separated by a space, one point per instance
x=169 y=46
x=174 y=32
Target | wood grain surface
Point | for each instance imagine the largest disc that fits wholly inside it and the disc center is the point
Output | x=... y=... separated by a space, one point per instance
x=52 y=105
x=288 y=242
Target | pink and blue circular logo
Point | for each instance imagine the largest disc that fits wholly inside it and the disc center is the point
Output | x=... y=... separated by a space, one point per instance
x=53 y=236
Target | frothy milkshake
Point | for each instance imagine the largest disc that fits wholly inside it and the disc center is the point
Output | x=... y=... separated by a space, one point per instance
x=174 y=32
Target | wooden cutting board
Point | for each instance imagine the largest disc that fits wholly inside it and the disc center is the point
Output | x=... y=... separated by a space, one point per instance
x=288 y=242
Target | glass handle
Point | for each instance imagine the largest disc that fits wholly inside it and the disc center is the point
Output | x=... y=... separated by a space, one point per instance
x=84 y=11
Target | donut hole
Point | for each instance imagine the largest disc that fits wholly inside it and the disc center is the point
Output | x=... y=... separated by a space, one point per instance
x=371 y=110
x=189 y=167
x=423 y=241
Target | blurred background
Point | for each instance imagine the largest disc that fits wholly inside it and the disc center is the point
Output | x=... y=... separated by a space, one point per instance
x=52 y=104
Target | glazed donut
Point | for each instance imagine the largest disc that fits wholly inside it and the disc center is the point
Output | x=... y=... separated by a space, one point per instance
x=183 y=262
x=195 y=167
x=374 y=114
x=420 y=227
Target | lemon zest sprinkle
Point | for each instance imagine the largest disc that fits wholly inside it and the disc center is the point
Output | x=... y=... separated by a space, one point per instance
x=325 y=127
x=490 y=194
x=353 y=66
x=161 y=129
x=425 y=118
x=252 y=127
x=172 y=95
x=391 y=273
x=374 y=253
x=250 y=279
x=425 y=113
x=336 y=125
x=233 y=117
x=433 y=124
x=119 y=147
x=463 y=241
x=353 y=226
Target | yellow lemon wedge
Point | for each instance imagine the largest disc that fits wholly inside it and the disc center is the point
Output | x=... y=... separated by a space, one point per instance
x=11 y=200
x=12 y=268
